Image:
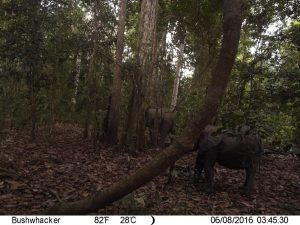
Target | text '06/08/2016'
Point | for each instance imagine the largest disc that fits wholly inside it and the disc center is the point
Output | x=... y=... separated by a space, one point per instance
x=149 y=220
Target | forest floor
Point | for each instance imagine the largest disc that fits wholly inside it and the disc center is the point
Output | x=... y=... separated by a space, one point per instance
x=35 y=175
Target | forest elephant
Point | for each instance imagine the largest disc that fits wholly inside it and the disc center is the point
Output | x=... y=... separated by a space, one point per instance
x=233 y=152
x=165 y=120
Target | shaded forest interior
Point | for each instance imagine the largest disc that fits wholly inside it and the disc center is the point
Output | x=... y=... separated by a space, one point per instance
x=96 y=93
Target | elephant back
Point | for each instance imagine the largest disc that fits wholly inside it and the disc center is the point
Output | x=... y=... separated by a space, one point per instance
x=207 y=142
x=163 y=115
x=241 y=147
x=151 y=114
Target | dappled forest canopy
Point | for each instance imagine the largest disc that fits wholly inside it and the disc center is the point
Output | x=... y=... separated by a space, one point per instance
x=101 y=65
x=57 y=64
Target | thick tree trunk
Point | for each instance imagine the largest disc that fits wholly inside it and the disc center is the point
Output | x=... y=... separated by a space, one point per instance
x=183 y=145
x=136 y=129
x=177 y=78
x=153 y=76
x=153 y=83
x=113 y=118
x=157 y=93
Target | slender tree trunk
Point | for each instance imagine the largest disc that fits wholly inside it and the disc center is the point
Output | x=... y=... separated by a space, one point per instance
x=53 y=94
x=32 y=99
x=51 y=102
x=184 y=144
x=78 y=65
x=77 y=72
x=90 y=92
x=113 y=118
x=241 y=91
x=177 y=78
x=33 y=61
x=297 y=131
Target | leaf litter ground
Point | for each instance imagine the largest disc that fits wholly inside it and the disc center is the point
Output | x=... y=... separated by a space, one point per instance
x=35 y=175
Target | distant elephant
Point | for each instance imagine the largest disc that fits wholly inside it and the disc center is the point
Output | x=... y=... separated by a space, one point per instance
x=233 y=152
x=165 y=122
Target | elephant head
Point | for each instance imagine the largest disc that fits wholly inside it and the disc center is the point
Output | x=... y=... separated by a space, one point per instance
x=206 y=143
x=207 y=140
x=165 y=124
x=234 y=152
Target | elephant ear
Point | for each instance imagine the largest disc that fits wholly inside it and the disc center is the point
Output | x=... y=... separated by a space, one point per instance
x=244 y=130
x=207 y=142
x=209 y=129
x=213 y=141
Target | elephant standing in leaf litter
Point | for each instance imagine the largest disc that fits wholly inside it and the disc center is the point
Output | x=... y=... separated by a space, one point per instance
x=165 y=122
x=233 y=152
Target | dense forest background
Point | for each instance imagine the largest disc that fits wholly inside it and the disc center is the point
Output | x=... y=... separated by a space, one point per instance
x=57 y=62
x=89 y=65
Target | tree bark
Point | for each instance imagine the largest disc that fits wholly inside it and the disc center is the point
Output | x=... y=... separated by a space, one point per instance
x=184 y=144
x=113 y=118
x=90 y=90
x=32 y=61
x=136 y=128
x=177 y=78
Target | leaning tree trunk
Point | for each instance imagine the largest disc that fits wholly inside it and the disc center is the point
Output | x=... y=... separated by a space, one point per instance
x=182 y=145
x=113 y=118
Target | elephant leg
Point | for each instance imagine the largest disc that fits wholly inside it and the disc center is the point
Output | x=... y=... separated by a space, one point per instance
x=248 y=171
x=209 y=175
x=209 y=162
x=199 y=167
x=170 y=173
x=164 y=132
x=151 y=136
x=246 y=183
x=250 y=178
